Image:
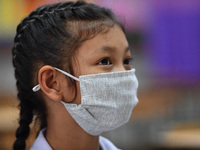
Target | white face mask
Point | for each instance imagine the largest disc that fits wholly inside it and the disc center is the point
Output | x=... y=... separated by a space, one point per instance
x=107 y=100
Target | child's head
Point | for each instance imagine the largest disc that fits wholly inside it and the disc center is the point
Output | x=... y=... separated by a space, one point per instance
x=50 y=35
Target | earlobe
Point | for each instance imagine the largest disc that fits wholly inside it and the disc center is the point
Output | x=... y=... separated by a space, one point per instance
x=49 y=83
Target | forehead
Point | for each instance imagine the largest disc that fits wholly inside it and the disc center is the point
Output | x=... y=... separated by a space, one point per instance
x=114 y=39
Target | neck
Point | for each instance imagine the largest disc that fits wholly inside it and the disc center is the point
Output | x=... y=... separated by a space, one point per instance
x=64 y=133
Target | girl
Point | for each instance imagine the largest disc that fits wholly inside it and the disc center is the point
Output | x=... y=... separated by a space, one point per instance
x=72 y=66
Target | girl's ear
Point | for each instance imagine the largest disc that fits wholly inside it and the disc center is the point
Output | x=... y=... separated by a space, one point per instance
x=50 y=82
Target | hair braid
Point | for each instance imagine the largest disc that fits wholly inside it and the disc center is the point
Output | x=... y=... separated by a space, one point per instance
x=22 y=67
x=26 y=116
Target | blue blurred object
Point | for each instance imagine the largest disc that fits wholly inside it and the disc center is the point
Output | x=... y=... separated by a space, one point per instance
x=174 y=42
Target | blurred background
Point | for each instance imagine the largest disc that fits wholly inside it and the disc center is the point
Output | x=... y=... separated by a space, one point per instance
x=165 y=40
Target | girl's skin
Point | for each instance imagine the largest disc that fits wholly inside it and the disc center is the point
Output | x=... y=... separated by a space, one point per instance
x=106 y=52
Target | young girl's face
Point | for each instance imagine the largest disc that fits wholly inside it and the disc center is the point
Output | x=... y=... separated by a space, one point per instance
x=106 y=52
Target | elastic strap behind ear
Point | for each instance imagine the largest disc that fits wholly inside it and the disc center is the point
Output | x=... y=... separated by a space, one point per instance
x=67 y=74
x=37 y=87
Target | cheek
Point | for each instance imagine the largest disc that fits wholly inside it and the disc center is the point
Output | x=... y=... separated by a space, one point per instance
x=71 y=94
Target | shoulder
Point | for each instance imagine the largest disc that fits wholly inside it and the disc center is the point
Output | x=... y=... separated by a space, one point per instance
x=106 y=144
x=40 y=142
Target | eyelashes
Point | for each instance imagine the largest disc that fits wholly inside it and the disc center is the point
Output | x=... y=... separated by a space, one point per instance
x=104 y=61
x=128 y=61
x=107 y=61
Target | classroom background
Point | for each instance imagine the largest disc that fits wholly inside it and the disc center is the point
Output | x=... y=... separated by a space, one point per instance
x=165 y=39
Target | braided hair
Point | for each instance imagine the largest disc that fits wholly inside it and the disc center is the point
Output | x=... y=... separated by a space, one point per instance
x=49 y=36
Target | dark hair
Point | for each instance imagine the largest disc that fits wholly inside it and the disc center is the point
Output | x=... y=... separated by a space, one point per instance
x=49 y=36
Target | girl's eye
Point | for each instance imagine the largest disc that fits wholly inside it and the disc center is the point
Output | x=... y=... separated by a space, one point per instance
x=127 y=61
x=104 y=61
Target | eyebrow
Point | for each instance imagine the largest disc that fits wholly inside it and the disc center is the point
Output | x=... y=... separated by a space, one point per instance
x=109 y=48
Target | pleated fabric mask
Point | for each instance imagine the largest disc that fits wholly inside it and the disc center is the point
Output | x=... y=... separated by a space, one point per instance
x=107 y=100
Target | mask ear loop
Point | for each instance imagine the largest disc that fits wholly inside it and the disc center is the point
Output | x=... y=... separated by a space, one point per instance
x=67 y=74
x=37 y=87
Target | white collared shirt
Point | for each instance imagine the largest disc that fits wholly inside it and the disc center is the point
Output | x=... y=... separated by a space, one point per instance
x=42 y=144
